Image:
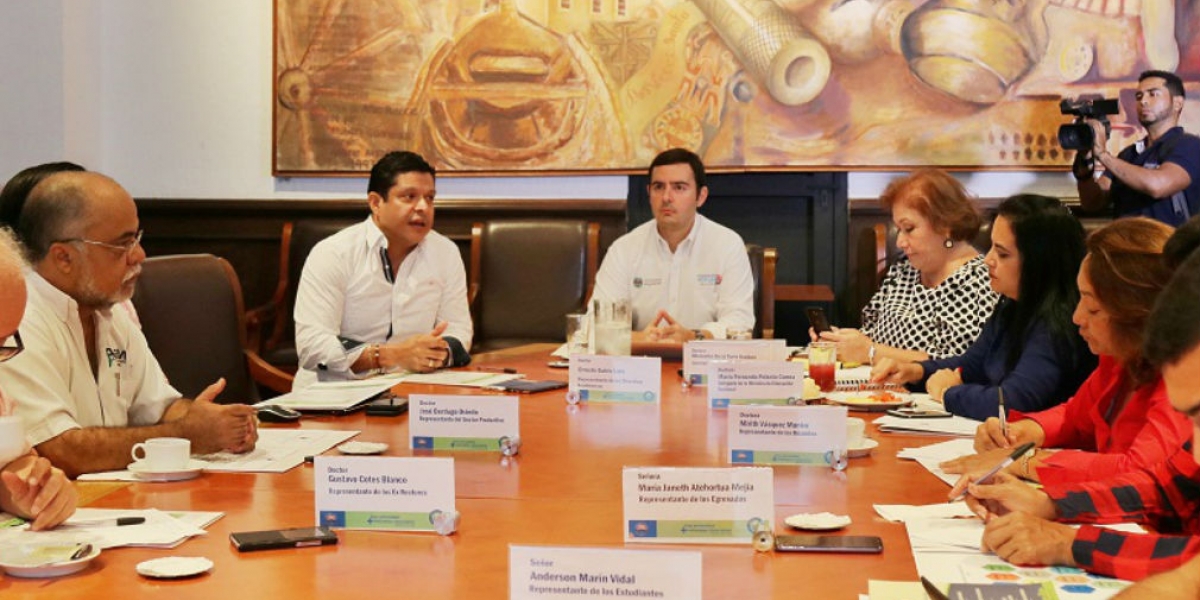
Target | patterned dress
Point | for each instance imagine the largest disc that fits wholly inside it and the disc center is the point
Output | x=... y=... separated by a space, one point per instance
x=942 y=321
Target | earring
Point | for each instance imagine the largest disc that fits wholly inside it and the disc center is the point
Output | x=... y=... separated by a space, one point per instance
x=949 y=243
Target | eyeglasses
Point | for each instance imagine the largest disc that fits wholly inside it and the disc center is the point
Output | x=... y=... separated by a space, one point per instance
x=126 y=248
x=7 y=352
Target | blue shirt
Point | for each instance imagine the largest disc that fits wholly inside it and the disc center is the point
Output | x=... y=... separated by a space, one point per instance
x=1039 y=380
x=1181 y=149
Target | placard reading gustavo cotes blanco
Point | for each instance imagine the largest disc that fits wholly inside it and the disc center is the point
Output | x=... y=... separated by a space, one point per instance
x=697 y=505
x=755 y=382
x=393 y=493
x=558 y=573
x=785 y=435
x=697 y=355
x=438 y=422
x=629 y=379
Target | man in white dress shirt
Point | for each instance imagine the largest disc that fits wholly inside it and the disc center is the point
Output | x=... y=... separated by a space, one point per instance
x=86 y=385
x=687 y=277
x=387 y=294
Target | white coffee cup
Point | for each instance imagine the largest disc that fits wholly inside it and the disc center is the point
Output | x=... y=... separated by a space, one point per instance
x=12 y=439
x=855 y=430
x=162 y=454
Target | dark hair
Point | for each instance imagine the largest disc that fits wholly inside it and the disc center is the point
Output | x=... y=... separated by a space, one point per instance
x=16 y=191
x=1173 y=328
x=940 y=198
x=1051 y=244
x=1127 y=272
x=1173 y=83
x=676 y=156
x=55 y=208
x=392 y=165
x=1183 y=243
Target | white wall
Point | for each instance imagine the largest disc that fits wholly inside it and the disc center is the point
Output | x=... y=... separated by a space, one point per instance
x=173 y=99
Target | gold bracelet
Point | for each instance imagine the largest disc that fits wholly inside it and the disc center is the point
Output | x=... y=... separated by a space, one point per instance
x=375 y=357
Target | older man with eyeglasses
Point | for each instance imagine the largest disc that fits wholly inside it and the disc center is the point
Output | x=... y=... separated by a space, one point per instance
x=30 y=486
x=86 y=385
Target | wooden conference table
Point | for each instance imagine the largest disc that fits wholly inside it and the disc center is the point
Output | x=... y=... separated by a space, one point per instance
x=564 y=488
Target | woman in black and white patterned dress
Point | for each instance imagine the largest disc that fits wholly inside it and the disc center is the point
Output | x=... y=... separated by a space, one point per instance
x=933 y=301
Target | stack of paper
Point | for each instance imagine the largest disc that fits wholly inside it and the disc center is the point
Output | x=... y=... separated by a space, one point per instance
x=97 y=526
x=955 y=425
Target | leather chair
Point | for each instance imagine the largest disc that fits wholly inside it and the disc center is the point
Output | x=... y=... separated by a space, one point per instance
x=279 y=346
x=762 y=267
x=190 y=308
x=526 y=275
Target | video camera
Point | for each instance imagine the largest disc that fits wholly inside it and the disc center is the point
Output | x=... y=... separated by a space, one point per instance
x=1078 y=135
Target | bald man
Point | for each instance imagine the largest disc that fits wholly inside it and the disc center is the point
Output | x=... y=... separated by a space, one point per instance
x=87 y=386
x=30 y=487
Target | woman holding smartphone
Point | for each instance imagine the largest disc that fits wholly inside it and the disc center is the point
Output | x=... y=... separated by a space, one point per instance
x=935 y=299
x=1029 y=347
x=1120 y=420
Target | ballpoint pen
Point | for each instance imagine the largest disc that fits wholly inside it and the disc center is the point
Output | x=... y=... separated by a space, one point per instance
x=109 y=522
x=1018 y=453
x=1003 y=416
x=932 y=590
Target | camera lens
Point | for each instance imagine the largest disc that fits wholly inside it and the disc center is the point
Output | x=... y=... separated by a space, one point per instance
x=1075 y=136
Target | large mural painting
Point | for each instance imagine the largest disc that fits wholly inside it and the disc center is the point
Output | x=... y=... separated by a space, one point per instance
x=536 y=86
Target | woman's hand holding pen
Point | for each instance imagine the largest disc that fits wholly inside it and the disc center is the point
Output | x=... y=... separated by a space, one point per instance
x=989 y=435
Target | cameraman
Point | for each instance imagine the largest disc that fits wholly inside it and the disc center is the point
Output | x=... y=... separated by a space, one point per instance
x=1156 y=177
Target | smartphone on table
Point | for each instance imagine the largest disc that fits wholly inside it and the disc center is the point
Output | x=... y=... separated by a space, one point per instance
x=856 y=544
x=299 y=537
x=919 y=413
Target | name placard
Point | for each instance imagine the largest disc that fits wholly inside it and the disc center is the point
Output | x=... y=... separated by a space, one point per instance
x=697 y=355
x=785 y=435
x=389 y=493
x=627 y=379
x=564 y=573
x=445 y=422
x=755 y=382
x=697 y=505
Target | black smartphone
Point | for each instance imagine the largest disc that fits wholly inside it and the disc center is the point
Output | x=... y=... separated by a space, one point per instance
x=862 y=544
x=388 y=406
x=817 y=319
x=299 y=537
x=918 y=413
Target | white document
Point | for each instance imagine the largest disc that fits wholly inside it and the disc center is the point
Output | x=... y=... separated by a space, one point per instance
x=478 y=379
x=565 y=573
x=335 y=395
x=160 y=530
x=955 y=425
x=695 y=505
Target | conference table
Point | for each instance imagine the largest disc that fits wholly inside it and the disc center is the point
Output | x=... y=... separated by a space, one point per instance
x=562 y=489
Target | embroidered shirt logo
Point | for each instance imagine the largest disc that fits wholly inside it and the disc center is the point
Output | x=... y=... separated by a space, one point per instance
x=116 y=356
x=708 y=279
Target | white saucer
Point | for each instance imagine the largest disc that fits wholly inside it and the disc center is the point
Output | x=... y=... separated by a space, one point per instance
x=865 y=449
x=362 y=448
x=14 y=556
x=817 y=521
x=192 y=471
x=174 y=567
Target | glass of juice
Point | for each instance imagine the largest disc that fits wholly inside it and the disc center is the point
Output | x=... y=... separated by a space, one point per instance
x=822 y=364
